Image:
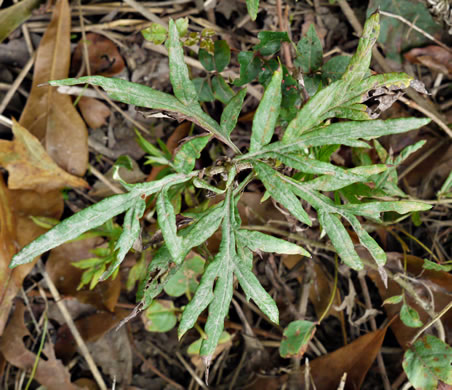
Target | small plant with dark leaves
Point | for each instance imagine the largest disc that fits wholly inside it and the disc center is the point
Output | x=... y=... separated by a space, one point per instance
x=295 y=170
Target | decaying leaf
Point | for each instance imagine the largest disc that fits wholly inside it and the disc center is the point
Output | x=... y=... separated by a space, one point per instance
x=355 y=359
x=48 y=115
x=30 y=167
x=94 y=111
x=18 y=229
x=91 y=328
x=103 y=55
x=50 y=373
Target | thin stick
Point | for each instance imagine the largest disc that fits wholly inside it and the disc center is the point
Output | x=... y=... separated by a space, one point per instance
x=187 y=366
x=146 y=13
x=75 y=333
x=431 y=322
x=431 y=115
x=16 y=84
x=414 y=27
x=104 y=180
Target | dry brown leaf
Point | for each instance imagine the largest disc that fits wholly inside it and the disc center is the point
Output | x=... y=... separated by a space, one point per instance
x=104 y=57
x=30 y=167
x=17 y=230
x=434 y=57
x=51 y=116
x=67 y=278
x=355 y=359
x=50 y=373
x=91 y=328
x=93 y=111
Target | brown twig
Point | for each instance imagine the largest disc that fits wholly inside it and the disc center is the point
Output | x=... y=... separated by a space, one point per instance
x=414 y=27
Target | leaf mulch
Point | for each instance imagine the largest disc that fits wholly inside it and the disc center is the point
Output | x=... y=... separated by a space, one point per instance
x=358 y=337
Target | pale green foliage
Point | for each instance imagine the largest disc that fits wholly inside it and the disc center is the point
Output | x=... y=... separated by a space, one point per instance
x=428 y=361
x=308 y=134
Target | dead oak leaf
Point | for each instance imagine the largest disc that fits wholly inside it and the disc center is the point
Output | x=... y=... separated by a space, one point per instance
x=50 y=373
x=30 y=167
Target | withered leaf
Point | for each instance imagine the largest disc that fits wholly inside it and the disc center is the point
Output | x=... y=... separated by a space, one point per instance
x=30 y=167
x=17 y=229
x=50 y=373
x=48 y=115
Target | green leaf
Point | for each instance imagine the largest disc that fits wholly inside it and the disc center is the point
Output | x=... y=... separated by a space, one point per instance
x=270 y=42
x=203 y=89
x=367 y=241
x=92 y=217
x=250 y=66
x=254 y=290
x=346 y=133
x=185 y=158
x=195 y=346
x=281 y=191
x=167 y=222
x=206 y=60
x=296 y=338
x=231 y=112
x=159 y=316
x=130 y=233
x=222 y=55
x=13 y=16
x=410 y=317
x=193 y=235
x=436 y=267
x=340 y=239
x=72 y=227
x=182 y=26
x=360 y=62
x=155 y=33
x=253 y=7
x=149 y=148
x=343 y=97
x=310 y=52
x=267 y=114
x=185 y=279
x=335 y=68
x=446 y=187
x=203 y=295
x=221 y=90
x=183 y=87
x=257 y=241
x=143 y=96
x=393 y=300
x=428 y=361
x=373 y=209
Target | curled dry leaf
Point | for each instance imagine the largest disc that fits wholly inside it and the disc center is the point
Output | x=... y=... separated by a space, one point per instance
x=104 y=60
x=30 y=167
x=48 y=115
x=104 y=57
x=94 y=111
x=18 y=229
x=51 y=372
x=434 y=57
